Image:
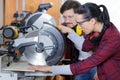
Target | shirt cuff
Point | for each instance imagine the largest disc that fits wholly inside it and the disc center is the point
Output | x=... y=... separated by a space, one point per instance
x=64 y=70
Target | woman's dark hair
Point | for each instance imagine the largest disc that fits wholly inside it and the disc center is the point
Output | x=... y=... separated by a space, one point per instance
x=69 y=4
x=92 y=10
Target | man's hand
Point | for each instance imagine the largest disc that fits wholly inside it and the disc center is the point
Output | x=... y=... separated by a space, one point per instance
x=65 y=29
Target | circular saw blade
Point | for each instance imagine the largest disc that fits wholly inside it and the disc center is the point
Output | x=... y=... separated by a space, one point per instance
x=53 y=47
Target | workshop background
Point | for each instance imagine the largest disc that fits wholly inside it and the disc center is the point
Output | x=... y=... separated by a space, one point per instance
x=12 y=6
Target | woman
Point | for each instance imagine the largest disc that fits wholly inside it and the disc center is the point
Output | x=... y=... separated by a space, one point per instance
x=102 y=37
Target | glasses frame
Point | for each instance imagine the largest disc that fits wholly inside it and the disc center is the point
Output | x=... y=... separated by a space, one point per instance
x=80 y=23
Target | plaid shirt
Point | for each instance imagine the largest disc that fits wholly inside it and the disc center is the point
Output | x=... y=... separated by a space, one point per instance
x=106 y=56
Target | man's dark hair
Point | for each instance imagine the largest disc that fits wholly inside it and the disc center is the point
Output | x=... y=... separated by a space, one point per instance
x=69 y=4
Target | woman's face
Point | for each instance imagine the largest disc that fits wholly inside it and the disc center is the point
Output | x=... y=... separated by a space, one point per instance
x=87 y=26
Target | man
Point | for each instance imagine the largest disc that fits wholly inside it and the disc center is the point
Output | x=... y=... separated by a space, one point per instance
x=67 y=10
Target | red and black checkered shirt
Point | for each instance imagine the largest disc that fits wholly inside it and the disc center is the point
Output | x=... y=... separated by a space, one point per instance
x=106 y=56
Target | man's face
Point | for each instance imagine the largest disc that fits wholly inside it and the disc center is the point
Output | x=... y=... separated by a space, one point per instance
x=69 y=18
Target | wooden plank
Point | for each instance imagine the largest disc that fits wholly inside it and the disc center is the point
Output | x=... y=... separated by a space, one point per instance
x=19 y=66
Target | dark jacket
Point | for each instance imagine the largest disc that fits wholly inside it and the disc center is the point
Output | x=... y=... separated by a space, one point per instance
x=70 y=52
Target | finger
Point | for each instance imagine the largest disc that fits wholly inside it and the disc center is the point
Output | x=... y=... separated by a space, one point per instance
x=59 y=27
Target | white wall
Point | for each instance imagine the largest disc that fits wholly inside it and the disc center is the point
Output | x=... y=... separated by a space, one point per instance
x=113 y=7
x=1 y=13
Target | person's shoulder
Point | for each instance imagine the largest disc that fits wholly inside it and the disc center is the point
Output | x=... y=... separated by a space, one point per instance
x=112 y=29
x=111 y=32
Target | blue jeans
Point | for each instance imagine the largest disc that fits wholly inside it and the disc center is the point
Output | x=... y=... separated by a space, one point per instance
x=87 y=75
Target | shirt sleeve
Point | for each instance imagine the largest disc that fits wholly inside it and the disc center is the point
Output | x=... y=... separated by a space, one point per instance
x=76 y=39
x=80 y=43
x=64 y=70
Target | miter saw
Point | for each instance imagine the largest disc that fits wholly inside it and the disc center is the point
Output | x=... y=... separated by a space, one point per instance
x=35 y=38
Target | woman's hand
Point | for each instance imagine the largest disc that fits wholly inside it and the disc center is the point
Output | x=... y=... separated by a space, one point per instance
x=96 y=76
x=41 y=68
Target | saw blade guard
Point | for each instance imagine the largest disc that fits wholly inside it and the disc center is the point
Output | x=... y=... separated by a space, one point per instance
x=49 y=37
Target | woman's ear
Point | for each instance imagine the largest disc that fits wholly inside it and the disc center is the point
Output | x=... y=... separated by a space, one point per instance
x=93 y=21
